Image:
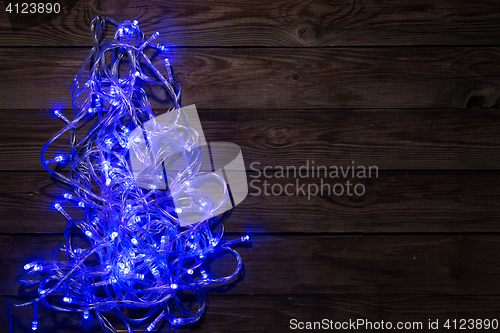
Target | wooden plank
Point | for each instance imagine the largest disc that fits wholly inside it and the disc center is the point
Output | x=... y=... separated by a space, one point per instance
x=263 y=23
x=393 y=202
x=259 y=313
x=327 y=264
x=389 y=139
x=270 y=78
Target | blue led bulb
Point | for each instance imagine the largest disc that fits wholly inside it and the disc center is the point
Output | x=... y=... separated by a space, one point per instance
x=161 y=47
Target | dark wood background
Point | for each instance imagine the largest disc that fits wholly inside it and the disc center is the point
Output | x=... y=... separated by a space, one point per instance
x=410 y=86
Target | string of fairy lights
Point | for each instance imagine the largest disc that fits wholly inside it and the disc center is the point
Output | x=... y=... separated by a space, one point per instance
x=138 y=253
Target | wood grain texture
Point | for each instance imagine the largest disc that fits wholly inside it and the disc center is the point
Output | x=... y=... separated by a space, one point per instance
x=263 y=23
x=410 y=86
x=265 y=313
x=326 y=264
x=270 y=78
x=389 y=139
x=398 y=202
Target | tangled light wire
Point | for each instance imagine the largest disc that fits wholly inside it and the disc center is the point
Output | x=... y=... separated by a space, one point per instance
x=139 y=252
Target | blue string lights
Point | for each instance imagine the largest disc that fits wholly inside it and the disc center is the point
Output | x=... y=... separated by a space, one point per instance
x=139 y=252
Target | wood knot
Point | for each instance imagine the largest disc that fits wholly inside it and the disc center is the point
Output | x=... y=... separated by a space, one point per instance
x=308 y=33
x=475 y=102
x=278 y=137
x=483 y=96
x=455 y=273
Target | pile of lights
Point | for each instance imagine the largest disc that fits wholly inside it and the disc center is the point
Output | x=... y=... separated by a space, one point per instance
x=138 y=252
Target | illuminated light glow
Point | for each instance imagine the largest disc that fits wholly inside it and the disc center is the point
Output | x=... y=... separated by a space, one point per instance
x=155 y=272
x=113 y=173
x=61 y=210
x=118 y=206
x=34 y=325
x=203 y=273
x=169 y=74
x=152 y=325
x=162 y=48
x=61 y=116
x=245 y=238
x=109 y=143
